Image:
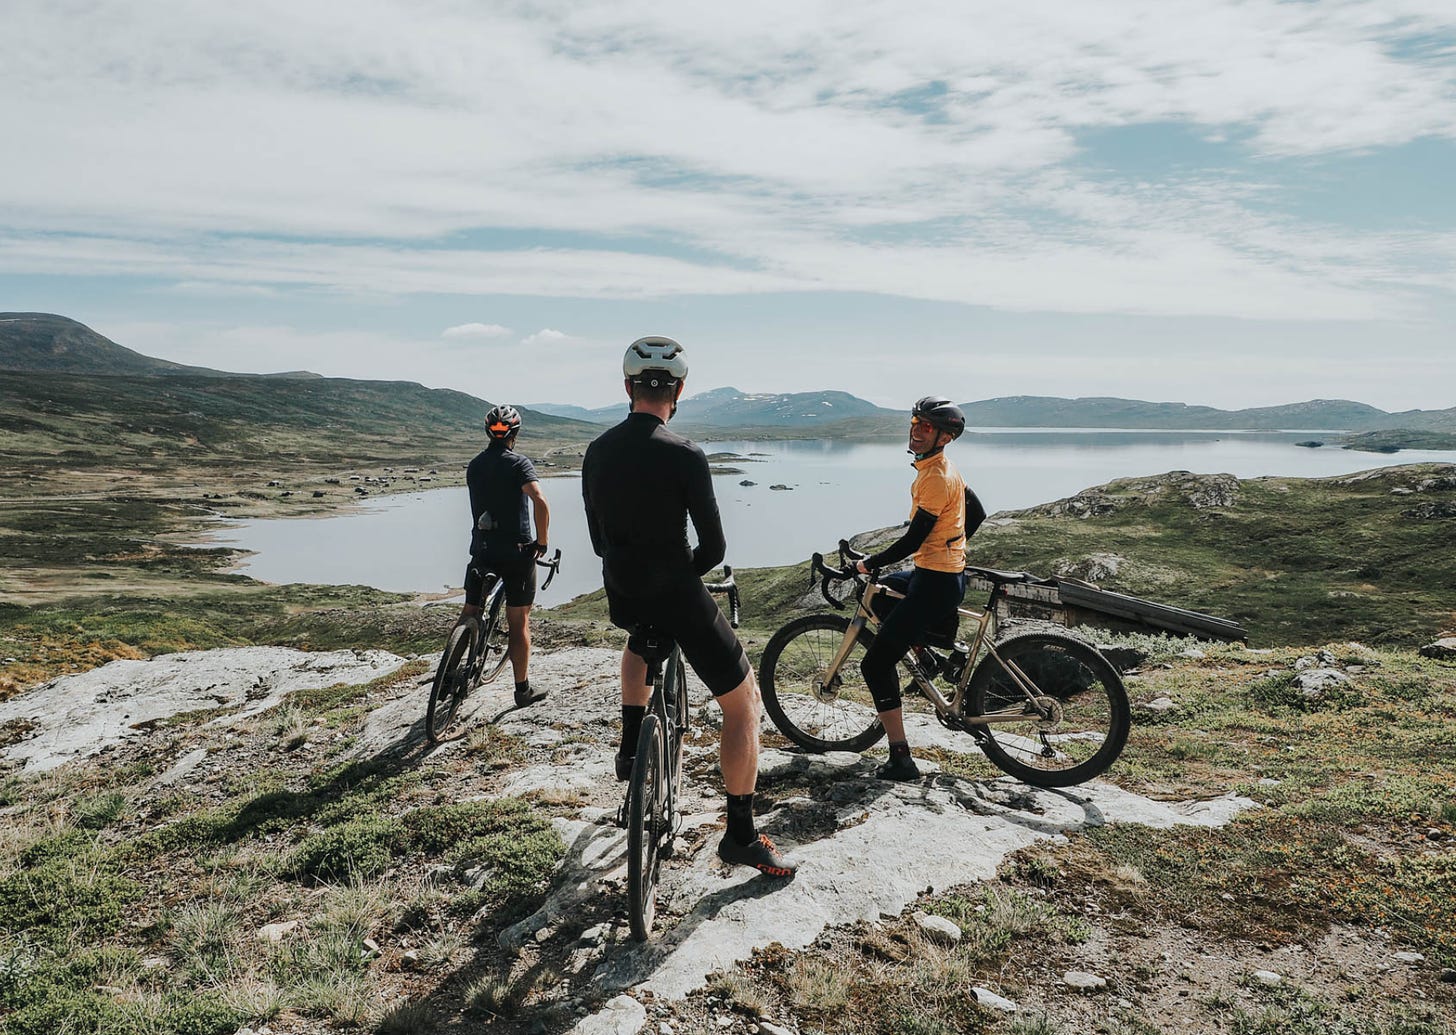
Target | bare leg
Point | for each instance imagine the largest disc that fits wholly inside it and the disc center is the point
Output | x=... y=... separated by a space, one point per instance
x=738 y=747
x=636 y=691
x=519 y=619
x=894 y=723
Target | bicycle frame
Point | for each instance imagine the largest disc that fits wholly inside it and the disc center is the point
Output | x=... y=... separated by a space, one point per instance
x=985 y=626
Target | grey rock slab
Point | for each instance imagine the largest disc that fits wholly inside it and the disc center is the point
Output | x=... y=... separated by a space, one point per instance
x=621 y=1016
x=991 y=1000
x=181 y=768
x=76 y=716
x=864 y=870
x=938 y=929
x=582 y=687
x=1314 y=682
x=1268 y=978
x=1442 y=649
x=594 y=852
x=1083 y=981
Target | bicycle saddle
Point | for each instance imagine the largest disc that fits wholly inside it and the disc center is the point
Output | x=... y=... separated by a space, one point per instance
x=649 y=643
x=1000 y=578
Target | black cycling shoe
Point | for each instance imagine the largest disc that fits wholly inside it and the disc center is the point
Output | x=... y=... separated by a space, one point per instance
x=624 y=766
x=902 y=769
x=760 y=854
x=529 y=695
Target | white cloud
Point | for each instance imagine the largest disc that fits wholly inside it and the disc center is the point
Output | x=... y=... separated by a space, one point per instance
x=548 y=336
x=476 y=330
x=704 y=149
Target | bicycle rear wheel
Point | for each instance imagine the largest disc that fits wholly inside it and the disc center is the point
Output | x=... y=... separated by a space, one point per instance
x=1088 y=714
x=495 y=648
x=816 y=713
x=450 y=685
x=645 y=823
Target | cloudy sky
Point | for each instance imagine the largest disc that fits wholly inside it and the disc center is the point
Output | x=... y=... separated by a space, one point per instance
x=1226 y=202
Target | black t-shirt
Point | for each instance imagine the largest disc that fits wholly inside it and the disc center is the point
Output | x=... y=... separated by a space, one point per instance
x=495 y=479
x=640 y=484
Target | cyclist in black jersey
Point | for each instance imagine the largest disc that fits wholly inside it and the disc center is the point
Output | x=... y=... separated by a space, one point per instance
x=640 y=484
x=501 y=482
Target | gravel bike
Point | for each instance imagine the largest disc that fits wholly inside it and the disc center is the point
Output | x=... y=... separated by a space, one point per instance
x=1044 y=707
x=477 y=649
x=650 y=811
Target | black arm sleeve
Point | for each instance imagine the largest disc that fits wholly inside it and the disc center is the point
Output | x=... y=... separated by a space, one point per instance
x=707 y=522
x=975 y=512
x=920 y=526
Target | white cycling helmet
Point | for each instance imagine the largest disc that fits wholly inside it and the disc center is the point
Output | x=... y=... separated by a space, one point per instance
x=656 y=355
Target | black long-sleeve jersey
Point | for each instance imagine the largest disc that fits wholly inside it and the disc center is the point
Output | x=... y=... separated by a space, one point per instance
x=640 y=484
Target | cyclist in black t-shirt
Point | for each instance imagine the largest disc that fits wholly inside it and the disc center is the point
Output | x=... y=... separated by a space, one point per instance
x=640 y=484
x=501 y=481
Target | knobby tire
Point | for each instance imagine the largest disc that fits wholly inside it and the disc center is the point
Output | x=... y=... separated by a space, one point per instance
x=496 y=647
x=1094 y=721
x=449 y=685
x=644 y=827
x=843 y=718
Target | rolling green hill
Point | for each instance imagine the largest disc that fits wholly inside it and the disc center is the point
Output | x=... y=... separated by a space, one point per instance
x=55 y=344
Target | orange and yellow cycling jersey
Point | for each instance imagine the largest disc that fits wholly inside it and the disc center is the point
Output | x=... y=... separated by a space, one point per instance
x=940 y=490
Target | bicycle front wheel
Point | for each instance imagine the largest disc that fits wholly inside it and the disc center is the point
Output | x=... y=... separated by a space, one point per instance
x=449 y=686
x=645 y=825
x=816 y=709
x=1076 y=727
x=495 y=648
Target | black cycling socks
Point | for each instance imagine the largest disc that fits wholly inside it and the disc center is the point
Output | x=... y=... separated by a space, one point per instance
x=899 y=749
x=631 y=726
x=740 y=819
x=523 y=688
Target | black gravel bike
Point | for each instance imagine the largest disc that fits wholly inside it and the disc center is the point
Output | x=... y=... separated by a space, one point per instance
x=650 y=811
x=1044 y=707
x=475 y=653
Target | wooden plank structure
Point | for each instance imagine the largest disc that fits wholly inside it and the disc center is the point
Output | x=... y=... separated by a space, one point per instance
x=1072 y=602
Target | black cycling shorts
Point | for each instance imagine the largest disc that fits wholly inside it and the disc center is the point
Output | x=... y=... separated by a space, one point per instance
x=689 y=614
x=515 y=566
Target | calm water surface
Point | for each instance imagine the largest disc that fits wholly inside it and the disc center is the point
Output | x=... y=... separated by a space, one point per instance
x=417 y=542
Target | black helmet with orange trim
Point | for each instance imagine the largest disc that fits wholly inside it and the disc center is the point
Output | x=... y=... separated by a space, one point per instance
x=502 y=422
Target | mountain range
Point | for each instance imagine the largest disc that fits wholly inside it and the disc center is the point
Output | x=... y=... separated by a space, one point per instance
x=42 y=343
x=729 y=407
x=66 y=390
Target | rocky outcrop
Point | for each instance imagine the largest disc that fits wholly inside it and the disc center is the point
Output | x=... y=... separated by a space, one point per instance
x=1199 y=491
x=77 y=716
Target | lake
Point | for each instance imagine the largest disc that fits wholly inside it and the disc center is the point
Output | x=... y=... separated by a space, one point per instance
x=417 y=542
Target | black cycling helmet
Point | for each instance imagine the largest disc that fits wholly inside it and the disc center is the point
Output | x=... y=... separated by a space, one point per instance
x=942 y=414
x=502 y=422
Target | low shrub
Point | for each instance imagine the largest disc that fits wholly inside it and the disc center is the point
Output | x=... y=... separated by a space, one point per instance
x=359 y=848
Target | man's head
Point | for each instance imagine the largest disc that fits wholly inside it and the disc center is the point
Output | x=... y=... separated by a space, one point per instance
x=502 y=423
x=653 y=370
x=934 y=421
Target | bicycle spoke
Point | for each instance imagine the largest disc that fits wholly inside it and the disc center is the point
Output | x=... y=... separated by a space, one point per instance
x=815 y=710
